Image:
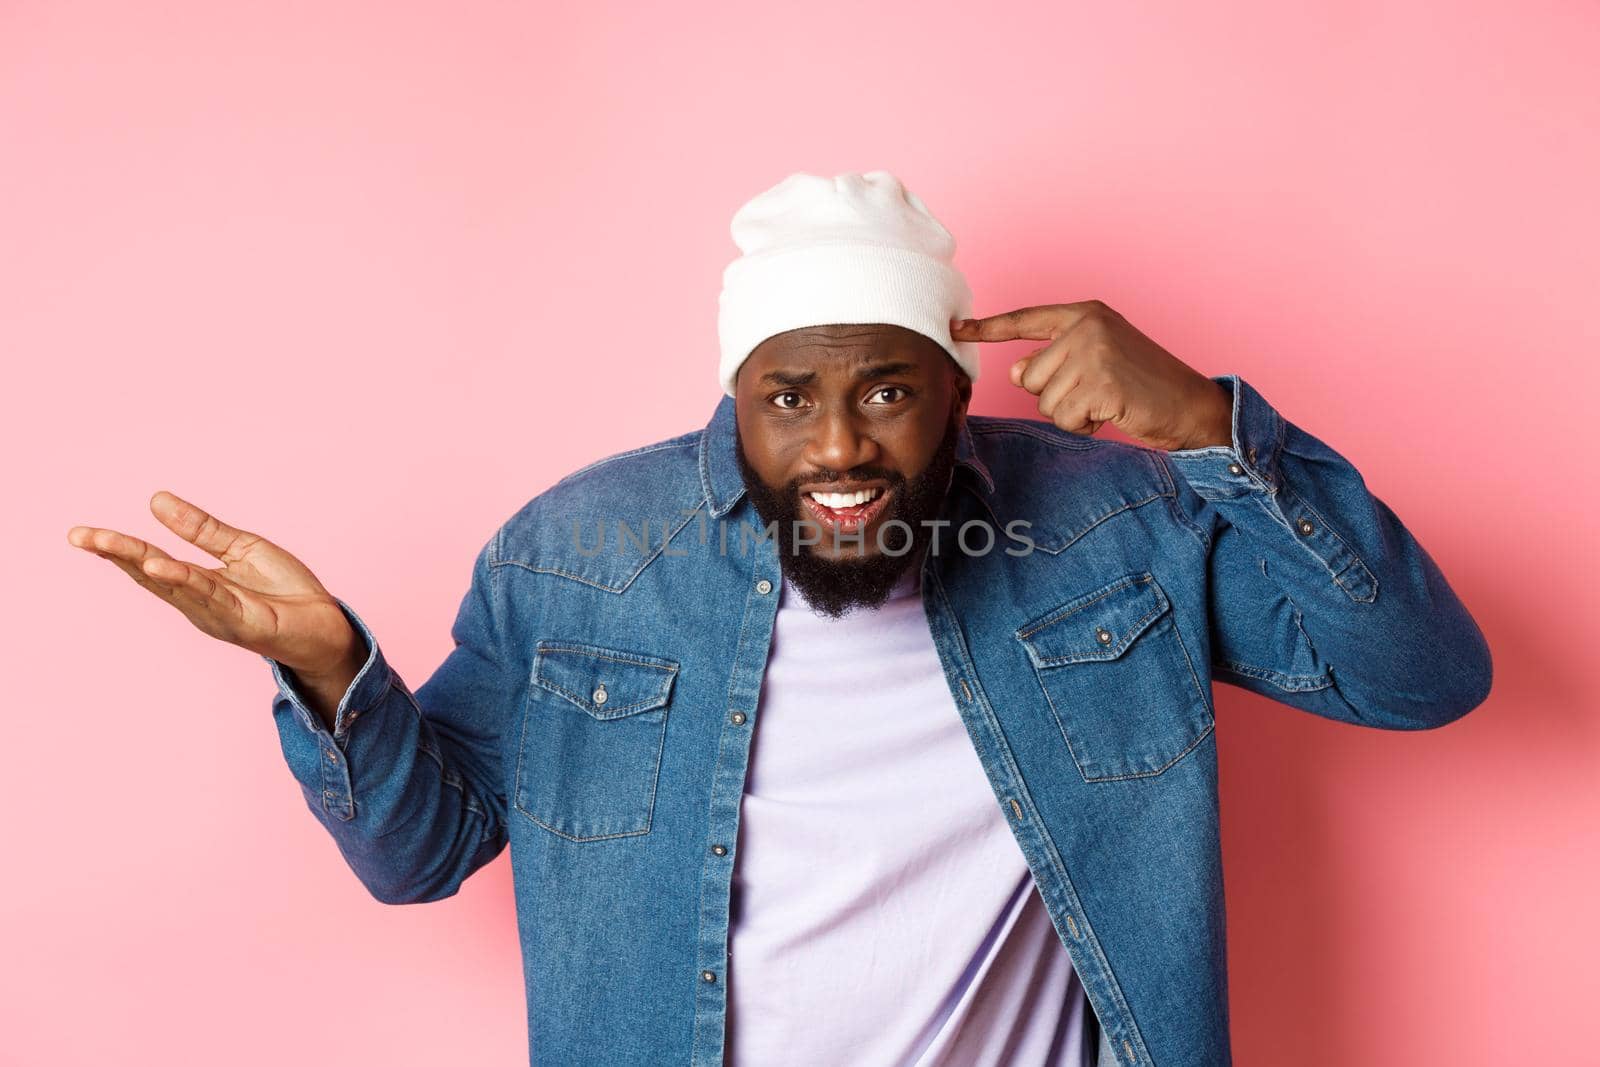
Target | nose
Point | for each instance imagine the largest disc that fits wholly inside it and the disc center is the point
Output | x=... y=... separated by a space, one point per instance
x=840 y=444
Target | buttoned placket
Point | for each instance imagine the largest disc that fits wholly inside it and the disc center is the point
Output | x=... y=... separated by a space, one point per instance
x=337 y=795
x=1005 y=778
x=337 y=799
x=727 y=793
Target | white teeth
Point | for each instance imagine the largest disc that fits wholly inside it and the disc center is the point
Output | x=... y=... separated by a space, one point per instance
x=845 y=500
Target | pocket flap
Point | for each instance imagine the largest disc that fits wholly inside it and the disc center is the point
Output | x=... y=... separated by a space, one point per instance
x=607 y=683
x=1098 y=625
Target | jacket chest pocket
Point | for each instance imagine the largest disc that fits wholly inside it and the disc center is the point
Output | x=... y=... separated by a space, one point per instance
x=592 y=733
x=1118 y=679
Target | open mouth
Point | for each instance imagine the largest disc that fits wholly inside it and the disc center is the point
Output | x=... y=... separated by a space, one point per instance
x=845 y=512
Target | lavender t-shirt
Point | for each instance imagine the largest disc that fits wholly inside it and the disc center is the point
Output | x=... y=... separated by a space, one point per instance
x=883 y=914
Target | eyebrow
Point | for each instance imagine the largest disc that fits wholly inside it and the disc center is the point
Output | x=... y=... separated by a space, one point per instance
x=870 y=370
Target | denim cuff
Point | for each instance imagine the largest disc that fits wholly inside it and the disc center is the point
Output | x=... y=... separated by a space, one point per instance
x=1250 y=463
x=365 y=690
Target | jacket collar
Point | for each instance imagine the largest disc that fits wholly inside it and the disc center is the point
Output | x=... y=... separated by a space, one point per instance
x=723 y=484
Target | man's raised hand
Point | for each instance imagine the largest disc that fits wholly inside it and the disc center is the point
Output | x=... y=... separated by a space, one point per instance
x=261 y=598
x=1099 y=368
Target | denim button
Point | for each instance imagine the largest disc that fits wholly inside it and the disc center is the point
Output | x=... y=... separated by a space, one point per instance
x=1103 y=636
x=737 y=718
x=599 y=695
x=1234 y=468
x=720 y=850
x=763 y=587
x=708 y=976
x=331 y=757
x=1305 y=526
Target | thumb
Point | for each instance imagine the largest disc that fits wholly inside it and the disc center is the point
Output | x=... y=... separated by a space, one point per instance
x=1019 y=368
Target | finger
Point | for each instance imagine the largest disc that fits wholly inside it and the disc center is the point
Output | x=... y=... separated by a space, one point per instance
x=1067 y=402
x=1018 y=368
x=199 y=587
x=1056 y=399
x=1066 y=412
x=130 y=555
x=113 y=544
x=200 y=528
x=140 y=560
x=1075 y=421
x=1042 y=322
x=1045 y=365
x=192 y=590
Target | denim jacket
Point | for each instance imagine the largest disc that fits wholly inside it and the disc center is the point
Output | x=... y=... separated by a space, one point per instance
x=597 y=711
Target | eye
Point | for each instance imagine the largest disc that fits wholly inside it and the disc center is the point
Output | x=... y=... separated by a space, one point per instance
x=890 y=389
x=787 y=407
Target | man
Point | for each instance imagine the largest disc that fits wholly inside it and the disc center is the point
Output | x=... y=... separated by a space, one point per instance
x=978 y=822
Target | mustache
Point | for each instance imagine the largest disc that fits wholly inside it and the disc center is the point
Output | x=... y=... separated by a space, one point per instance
x=859 y=474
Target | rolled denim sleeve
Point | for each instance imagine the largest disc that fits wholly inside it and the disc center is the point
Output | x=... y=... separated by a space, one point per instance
x=407 y=784
x=370 y=684
x=1319 y=596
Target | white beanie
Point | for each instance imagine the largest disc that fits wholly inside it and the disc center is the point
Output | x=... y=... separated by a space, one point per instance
x=856 y=248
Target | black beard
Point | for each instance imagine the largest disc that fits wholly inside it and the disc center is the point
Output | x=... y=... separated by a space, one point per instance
x=835 y=586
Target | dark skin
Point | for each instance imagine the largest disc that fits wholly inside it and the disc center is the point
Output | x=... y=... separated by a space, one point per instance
x=852 y=414
x=825 y=400
x=817 y=401
x=1098 y=367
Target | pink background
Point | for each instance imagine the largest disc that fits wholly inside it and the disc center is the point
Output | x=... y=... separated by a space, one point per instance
x=365 y=278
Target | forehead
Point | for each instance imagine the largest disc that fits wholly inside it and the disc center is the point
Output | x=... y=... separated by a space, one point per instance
x=844 y=347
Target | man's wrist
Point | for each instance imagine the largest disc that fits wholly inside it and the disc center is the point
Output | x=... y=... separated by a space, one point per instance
x=323 y=690
x=1214 y=420
x=346 y=668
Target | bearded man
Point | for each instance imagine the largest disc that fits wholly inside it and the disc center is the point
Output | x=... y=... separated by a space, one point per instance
x=924 y=772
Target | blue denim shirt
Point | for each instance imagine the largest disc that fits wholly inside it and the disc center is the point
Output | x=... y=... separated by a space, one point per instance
x=597 y=711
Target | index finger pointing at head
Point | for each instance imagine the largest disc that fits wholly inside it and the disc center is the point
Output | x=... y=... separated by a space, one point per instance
x=1042 y=322
x=197 y=526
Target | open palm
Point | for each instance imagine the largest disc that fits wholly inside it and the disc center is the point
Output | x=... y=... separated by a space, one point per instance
x=261 y=598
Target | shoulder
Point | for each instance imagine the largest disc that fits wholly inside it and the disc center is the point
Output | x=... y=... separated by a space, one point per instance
x=653 y=484
x=1016 y=447
x=1064 y=483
